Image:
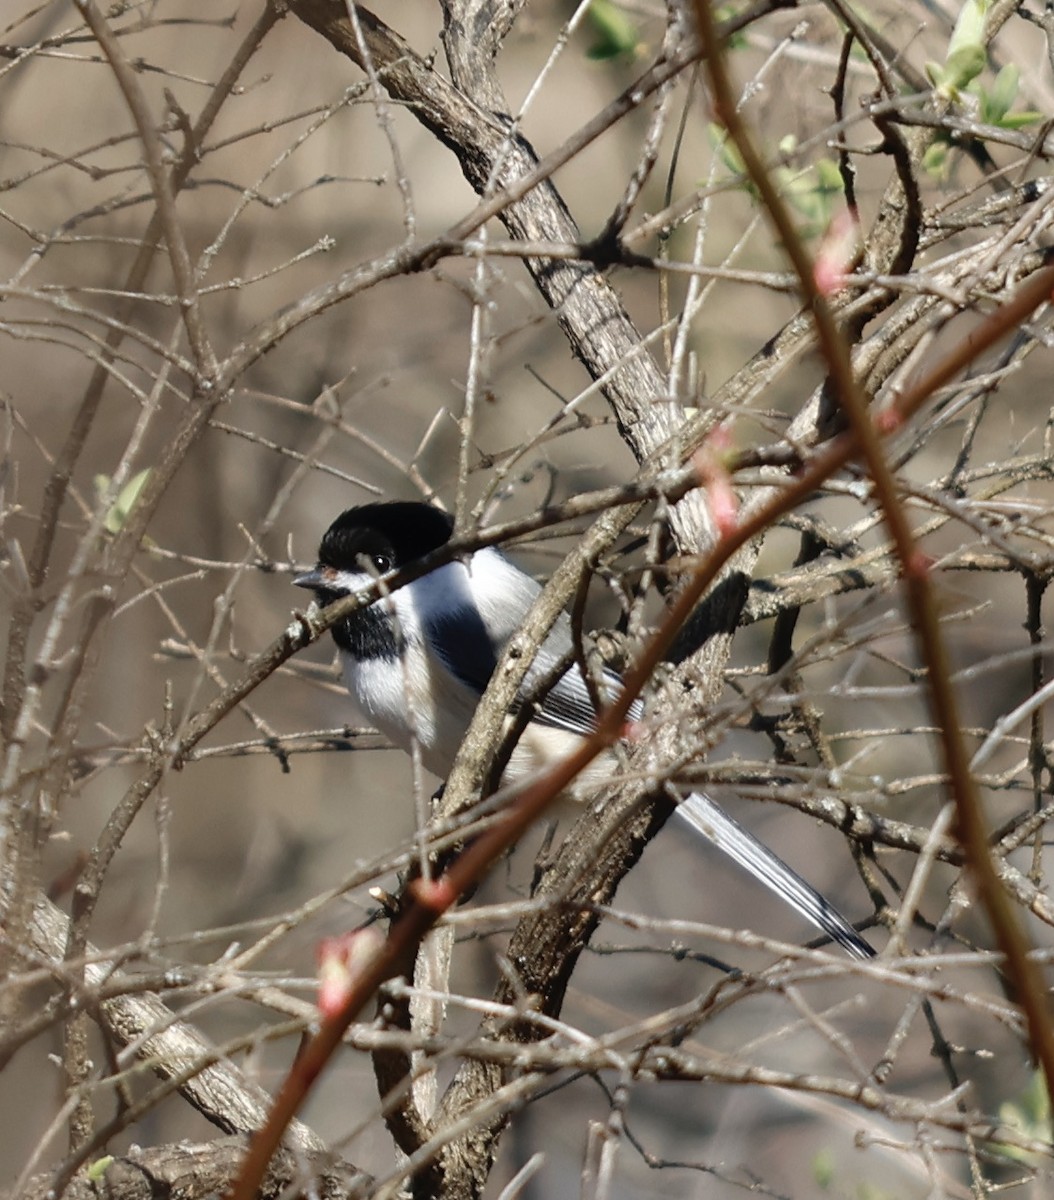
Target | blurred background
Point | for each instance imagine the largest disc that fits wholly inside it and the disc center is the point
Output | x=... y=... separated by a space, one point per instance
x=297 y=183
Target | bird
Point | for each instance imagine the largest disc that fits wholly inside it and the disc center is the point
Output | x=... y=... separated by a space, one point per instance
x=418 y=658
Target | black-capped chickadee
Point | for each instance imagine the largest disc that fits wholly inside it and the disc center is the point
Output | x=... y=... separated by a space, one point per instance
x=417 y=660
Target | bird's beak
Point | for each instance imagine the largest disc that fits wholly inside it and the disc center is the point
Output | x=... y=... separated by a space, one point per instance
x=315 y=578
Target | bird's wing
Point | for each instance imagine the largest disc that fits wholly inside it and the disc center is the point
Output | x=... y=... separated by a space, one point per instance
x=569 y=705
x=476 y=656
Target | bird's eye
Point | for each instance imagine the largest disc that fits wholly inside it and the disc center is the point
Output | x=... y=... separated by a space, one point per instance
x=381 y=562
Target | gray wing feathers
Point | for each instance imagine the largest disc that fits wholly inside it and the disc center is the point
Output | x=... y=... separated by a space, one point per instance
x=570 y=706
x=504 y=594
x=742 y=847
x=569 y=702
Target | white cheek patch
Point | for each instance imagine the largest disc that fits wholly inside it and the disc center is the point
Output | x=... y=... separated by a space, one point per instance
x=347 y=581
x=441 y=592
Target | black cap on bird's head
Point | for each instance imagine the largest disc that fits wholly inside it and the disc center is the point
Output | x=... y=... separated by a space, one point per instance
x=386 y=535
x=399 y=532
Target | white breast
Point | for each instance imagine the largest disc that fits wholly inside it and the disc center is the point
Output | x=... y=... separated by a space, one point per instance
x=413 y=700
x=416 y=699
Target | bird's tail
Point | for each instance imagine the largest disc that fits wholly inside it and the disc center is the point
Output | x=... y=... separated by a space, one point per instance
x=706 y=817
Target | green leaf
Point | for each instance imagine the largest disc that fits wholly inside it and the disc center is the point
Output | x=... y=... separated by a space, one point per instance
x=969 y=28
x=725 y=12
x=811 y=191
x=829 y=176
x=727 y=150
x=995 y=104
x=813 y=194
x=96 y=1170
x=616 y=33
x=823 y=1169
x=936 y=161
x=961 y=67
x=126 y=498
x=1018 y=120
x=1029 y=1113
x=966 y=57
